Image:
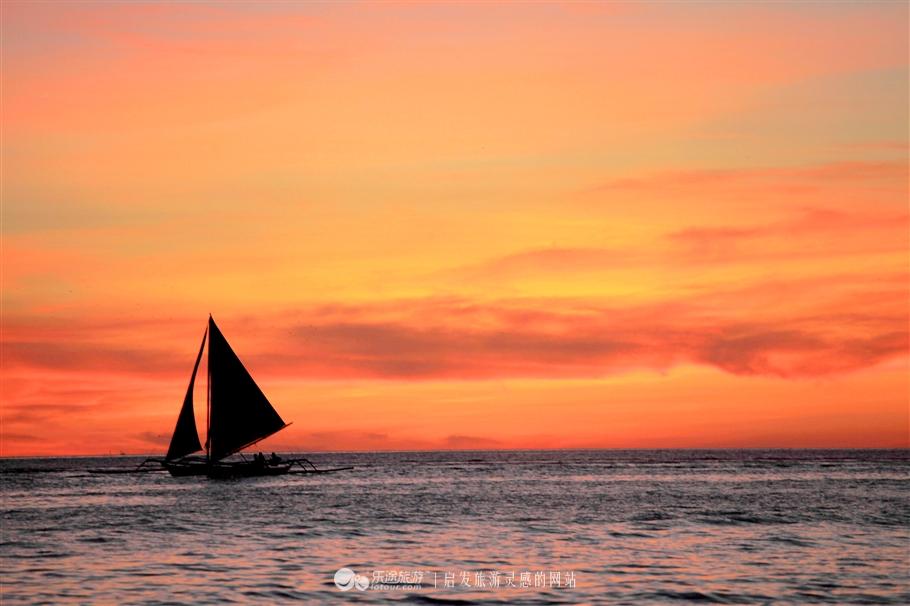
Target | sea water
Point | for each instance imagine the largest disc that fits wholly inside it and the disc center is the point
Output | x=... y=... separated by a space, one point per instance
x=554 y=527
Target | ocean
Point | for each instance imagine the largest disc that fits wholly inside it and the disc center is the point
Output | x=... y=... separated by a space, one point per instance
x=516 y=527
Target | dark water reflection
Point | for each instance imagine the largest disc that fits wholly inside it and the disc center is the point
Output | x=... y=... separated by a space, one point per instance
x=629 y=526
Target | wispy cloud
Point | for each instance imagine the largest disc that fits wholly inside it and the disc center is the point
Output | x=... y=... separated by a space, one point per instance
x=762 y=181
x=544 y=338
x=806 y=233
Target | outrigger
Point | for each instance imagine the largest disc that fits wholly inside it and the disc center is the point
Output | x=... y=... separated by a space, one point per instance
x=238 y=415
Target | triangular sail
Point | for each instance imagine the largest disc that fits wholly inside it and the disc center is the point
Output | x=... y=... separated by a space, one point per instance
x=240 y=414
x=186 y=439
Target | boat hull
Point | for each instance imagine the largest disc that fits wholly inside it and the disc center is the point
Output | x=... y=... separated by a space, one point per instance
x=246 y=469
x=181 y=469
x=231 y=469
x=223 y=470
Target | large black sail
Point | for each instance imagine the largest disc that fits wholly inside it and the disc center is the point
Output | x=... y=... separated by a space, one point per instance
x=239 y=413
x=186 y=439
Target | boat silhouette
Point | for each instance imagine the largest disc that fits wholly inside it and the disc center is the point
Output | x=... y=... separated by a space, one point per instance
x=238 y=415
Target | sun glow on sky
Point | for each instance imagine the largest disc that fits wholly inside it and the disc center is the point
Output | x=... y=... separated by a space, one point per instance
x=467 y=225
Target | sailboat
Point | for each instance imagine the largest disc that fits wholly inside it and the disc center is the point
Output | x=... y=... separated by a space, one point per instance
x=238 y=415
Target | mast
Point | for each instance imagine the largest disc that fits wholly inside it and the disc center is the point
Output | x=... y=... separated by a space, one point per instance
x=208 y=397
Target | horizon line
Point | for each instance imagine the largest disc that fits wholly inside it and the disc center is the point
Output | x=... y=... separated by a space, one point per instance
x=449 y=450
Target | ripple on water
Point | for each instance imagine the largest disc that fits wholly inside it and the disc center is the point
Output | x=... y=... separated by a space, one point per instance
x=634 y=526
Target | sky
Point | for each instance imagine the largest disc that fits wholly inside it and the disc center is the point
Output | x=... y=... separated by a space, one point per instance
x=458 y=226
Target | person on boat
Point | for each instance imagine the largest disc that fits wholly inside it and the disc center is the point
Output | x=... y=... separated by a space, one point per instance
x=259 y=460
x=274 y=459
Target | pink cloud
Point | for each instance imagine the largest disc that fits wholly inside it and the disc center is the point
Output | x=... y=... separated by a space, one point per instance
x=543 y=338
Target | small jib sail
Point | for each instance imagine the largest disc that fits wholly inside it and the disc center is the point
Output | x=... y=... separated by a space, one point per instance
x=239 y=413
x=185 y=440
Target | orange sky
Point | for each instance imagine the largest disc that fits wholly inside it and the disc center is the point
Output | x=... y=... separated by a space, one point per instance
x=467 y=225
